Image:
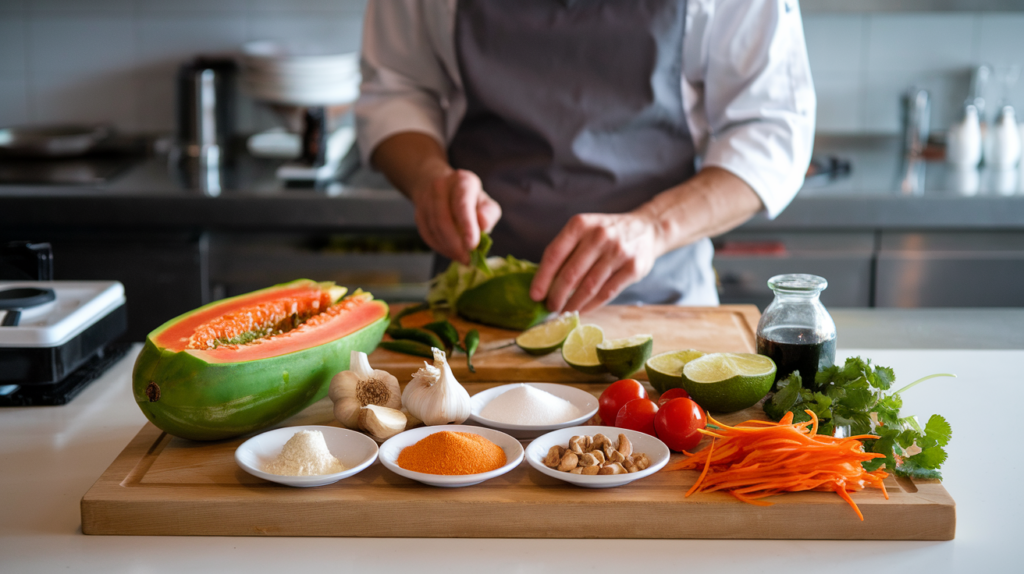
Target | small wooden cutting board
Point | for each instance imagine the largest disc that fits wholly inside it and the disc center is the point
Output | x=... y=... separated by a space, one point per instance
x=728 y=328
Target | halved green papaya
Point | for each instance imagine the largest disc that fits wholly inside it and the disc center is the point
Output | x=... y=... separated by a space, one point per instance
x=492 y=290
x=241 y=364
x=503 y=301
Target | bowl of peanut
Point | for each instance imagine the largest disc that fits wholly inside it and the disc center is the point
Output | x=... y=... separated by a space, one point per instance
x=597 y=457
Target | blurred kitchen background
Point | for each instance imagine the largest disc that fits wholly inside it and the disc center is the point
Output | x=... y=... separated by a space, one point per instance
x=886 y=217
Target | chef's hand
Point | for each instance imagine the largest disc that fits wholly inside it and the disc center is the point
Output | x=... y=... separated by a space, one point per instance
x=451 y=205
x=594 y=258
x=452 y=210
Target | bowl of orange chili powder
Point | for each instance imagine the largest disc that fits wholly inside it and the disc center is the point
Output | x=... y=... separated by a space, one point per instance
x=451 y=455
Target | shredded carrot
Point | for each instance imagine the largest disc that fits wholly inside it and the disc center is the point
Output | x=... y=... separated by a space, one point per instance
x=757 y=459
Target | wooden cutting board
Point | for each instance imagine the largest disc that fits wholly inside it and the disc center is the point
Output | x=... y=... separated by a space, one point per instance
x=712 y=329
x=163 y=485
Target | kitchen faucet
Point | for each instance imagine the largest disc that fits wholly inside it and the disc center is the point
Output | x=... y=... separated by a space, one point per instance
x=916 y=121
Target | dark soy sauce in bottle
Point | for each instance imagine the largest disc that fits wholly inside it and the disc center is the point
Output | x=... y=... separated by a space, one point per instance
x=795 y=349
x=796 y=331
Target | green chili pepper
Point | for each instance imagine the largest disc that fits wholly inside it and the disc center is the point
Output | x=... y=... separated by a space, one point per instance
x=396 y=321
x=409 y=348
x=418 y=335
x=472 y=342
x=446 y=331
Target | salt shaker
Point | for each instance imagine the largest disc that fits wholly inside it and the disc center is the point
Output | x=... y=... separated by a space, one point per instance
x=1004 y=141
x=963 y=141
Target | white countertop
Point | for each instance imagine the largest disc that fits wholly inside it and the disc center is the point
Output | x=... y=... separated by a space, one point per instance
x=50 y=456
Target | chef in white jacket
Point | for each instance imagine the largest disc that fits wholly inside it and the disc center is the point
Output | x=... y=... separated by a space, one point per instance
x=606 y=139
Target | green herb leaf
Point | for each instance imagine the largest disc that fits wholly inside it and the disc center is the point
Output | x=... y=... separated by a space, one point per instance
x=785 y=398
x=848 y=396
x=929 y=458
x=911 y=469
x=883 y=378
x=907 y=438
x=939 y=430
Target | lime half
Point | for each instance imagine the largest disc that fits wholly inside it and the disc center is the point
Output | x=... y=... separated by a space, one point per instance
x=665 y=371
x=580 y=349
x=548 y=337
x=623 y=357
x=727 y=382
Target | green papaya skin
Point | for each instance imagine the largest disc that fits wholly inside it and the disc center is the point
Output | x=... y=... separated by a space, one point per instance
x=190 y=398
x=503 y=302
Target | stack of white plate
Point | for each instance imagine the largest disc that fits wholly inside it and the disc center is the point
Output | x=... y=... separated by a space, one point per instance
x=275 y=73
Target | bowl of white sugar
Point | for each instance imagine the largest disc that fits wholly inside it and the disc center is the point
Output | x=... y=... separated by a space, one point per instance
x=528 y=410
x=306 y=456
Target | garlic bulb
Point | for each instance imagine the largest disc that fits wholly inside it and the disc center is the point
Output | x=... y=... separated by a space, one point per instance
x=360 y=386
x=434 y=396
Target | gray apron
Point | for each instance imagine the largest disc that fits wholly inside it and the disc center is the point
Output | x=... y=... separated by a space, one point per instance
x=575 y=106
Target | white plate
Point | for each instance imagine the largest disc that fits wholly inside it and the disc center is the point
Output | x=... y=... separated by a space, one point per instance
x=354 y=449
x=642 y=442
x=584 y=401
x=393 y=446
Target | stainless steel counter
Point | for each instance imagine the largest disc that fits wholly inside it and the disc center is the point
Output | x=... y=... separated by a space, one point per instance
x=150 y=195
x=882 y=192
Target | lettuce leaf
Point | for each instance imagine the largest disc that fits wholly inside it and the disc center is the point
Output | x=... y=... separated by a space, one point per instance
x=447 y=287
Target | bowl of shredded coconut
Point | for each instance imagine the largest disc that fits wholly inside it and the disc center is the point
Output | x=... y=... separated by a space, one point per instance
x=306 y=456
x=528 y=410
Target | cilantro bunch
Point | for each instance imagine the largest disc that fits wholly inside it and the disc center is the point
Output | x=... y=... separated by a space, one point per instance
x=855 y=396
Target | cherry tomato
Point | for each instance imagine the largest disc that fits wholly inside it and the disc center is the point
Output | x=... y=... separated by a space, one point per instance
x=677 y=423
x=672 y=394
x=616 y=395
x=638 y=415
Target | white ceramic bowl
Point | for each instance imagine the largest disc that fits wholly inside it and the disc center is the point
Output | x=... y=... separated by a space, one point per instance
x=393 y=446
x=642 y=442
x=296 y=76
x=354 y=449
x=584 y=401
x=269 y=56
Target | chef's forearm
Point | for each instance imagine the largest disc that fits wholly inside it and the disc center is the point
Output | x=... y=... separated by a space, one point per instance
x=411 y=161
x=710 y=203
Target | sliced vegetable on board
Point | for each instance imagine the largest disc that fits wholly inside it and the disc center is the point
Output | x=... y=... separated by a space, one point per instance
x=491 y=290
x=758 y=459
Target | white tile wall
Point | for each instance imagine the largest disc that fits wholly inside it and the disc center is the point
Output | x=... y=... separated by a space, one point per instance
x=13 y=32
x=115 y=60
x=862 y=63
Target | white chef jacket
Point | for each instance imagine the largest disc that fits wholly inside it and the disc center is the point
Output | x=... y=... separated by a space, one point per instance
x=746 y=87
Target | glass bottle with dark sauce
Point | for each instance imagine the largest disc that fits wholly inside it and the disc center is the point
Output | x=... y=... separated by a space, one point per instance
x=796 y=330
